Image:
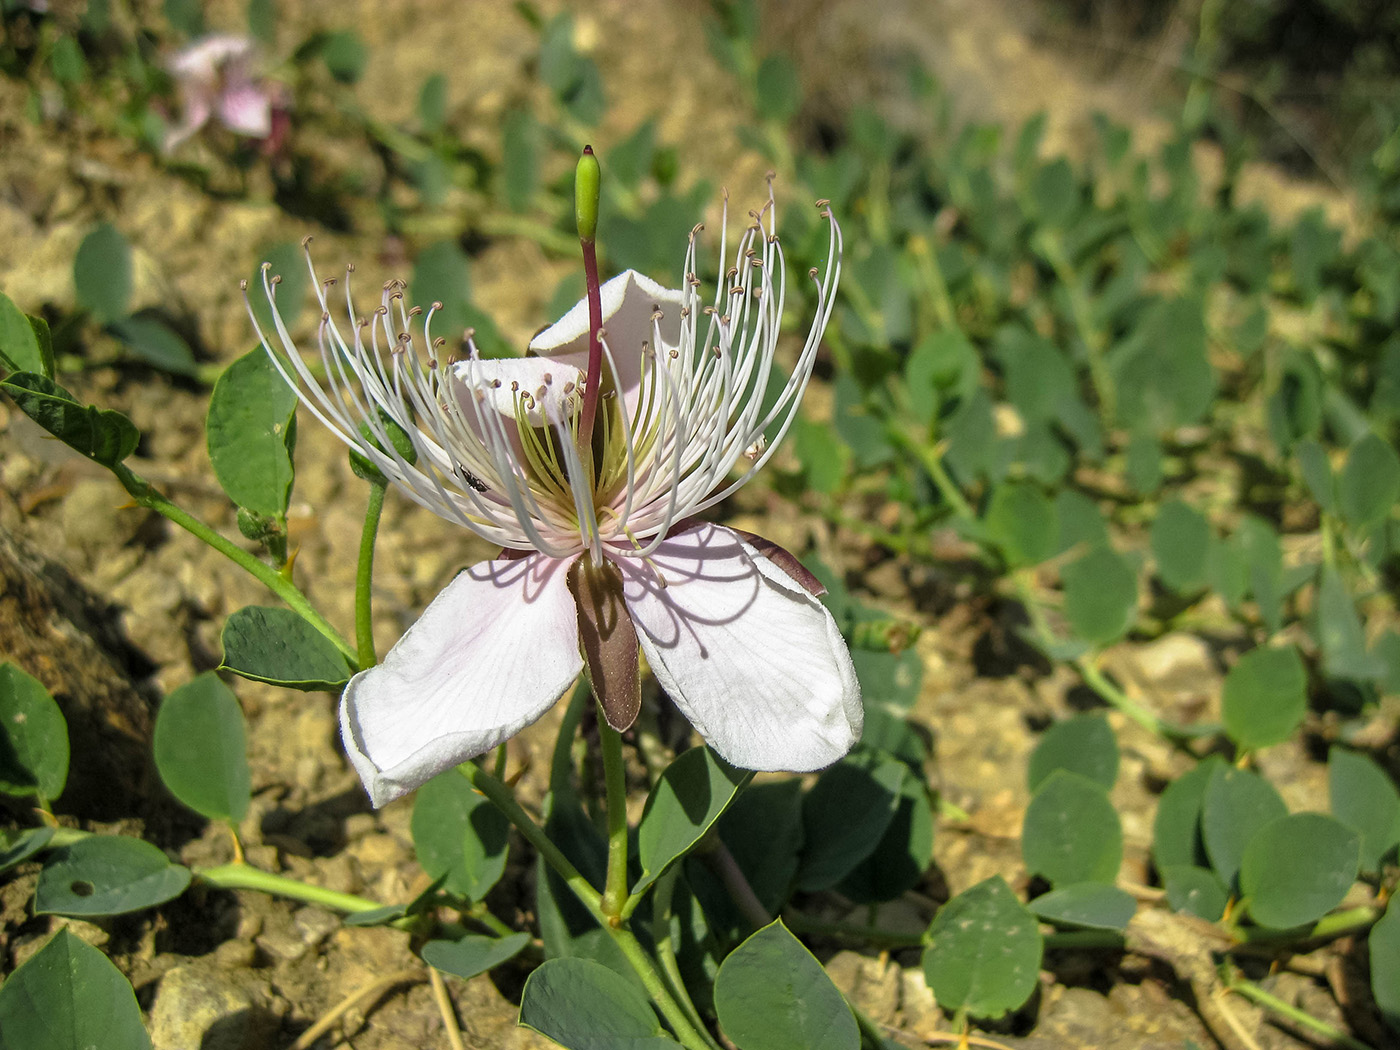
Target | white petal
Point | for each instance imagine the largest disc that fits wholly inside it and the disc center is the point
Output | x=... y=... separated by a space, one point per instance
x=503 y=380
x=628 y=301
x=489 y=656
x=755 y=662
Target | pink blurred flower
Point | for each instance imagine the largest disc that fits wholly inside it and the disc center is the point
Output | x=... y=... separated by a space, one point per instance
x=215 y=80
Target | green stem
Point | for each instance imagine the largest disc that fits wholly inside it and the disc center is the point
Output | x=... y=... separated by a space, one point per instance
x=1338 y=924
x=246 y=877
x=503 y=799
x=147 y=496
x=615 y=783
x=1270 y=1002
x=936 y=287
x=665 y=951
x=932 y=463
x=364 y=575
x=1080 y=312
x=1115 y=697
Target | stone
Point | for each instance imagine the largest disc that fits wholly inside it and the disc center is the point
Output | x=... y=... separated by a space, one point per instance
x=198 y=1007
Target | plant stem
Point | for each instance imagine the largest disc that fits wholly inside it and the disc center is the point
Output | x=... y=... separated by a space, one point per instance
x=932 y=463
x=595 y=347
x=1080 y=311
x=246 y=877
x=503 y=799
x=615 y=787
x=147 y=496
x=1337 y=924
x=1101 y=684
x=364 y=575
x=1271 y=1002
x=665 y=951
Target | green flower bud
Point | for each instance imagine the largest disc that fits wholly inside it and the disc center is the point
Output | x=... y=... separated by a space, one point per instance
x=586 y=181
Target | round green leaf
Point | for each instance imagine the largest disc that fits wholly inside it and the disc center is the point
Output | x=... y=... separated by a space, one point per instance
x=1100 y=595
x=102 y=435
x=102 y=273
x=985 y=951
x=460 y=834
x=249 y=430
x=1384 y=947
x=845 y=815
x=1086 y=904
x=69 y=996
x=690 y=796
x=33 y=737
x=1297 y=868
x=107 y=875
x=441 y=274
x=771 y=994
x=1364 y=799
x=1071 y=832
x=1237 y=804
x=1339 y=632
x=1195 y=891
x=1176 y=829
x=156 y=344
x=903 y=852
x=582 y=1005
x=1020 y=520
x=1264 y=697
x=1180 y=540
x=1369 y=484
x=201 y=749
x=1083 y=744
x=473 y=954
x=276 y=645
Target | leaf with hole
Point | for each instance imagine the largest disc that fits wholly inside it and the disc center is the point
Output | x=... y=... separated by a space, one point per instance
x=457 y=833
x=1298 y=868
x=1264 y=697
x=33 y=737
x=69 y=996
x=771 y=994
x=249 y=431
x=691 y=795
x=1364 y=798
x=107 y=875
x=276 y=645
x=1071 y=832
x=985 y=951
x=1082 y=744
x=201 y=749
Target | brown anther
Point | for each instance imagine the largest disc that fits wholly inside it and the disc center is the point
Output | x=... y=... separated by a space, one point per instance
x=266 y=266
x=243 y=284
x=685 y=312
x=812 y=273
x=738 y=289
x=381 y=311
x=514 y=387
x=469 y=334
x=495 y=384
x=731 y=273
x=724 y=321
x=330 y=282
x=694 y=230
x=414 y=311
x=432 y=363
x=823 y=202
x=305 y=241
x=325 y=318
x=658 y=315
x=548 y=379
x=439 y=343
x=276 y=280
x=674 y=354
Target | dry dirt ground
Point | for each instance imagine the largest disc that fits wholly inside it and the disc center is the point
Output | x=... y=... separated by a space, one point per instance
x=218 y=971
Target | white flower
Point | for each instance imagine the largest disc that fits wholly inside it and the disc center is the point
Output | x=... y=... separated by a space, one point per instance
x=597 y=535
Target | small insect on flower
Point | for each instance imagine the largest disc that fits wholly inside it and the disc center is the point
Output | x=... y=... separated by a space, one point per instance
x=602 y=550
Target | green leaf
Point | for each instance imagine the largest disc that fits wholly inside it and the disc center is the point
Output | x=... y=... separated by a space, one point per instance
x=1264 y=697
x=153 y=342
x=283 y=266
x=985 y=951
x=582 y=1005
x=1369 y=484
x=1079 y=521
x=771 y=994
x=20 y=347
x=102 y=274
x=1091 y=905
x=822 y=455
x=1163 y=375
x=18 y=845
x=473 y=954
x=1020 y=520
x=345 y=56
x=441 y=274
x=942 y=360
x=107 y=875
x=458 y=833
x=69 y=996
x=1338 y=630
x=1195 y=891
x=845 y=815
x=432 y=103
x=1237 y=803
x=520 y=135
x=889 y=678
x=100 y=434
x=201 y=749
x=903 y=853
x=1317 y=473
x=1298 y=868
x=1364 y=798
x=1083 y=744
x=1383 y=944
x=1071 y=832
x=690 y=796
x=249 y=432
x=1176 y=829
x=763 y=830
x=779 y=90
x=1100 y=596
x=33 y=737
x=1180 y=539
x=269 y=644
